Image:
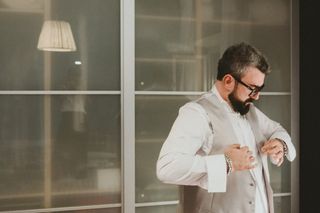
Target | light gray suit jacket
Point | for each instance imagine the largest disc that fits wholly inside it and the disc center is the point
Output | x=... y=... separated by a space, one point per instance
x=241 y=186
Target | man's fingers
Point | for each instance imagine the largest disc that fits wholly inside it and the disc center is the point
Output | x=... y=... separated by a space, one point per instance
x=241 y=156
x=245 y=149
x=274 y=150
x=237 y=146
x=267 y=146
x=251 y=159
x=251 y=166
x=271 y=147
x=278 y=155
x=280 y=162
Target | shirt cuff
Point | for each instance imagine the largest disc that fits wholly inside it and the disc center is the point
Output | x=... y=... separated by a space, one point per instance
x=217 y=173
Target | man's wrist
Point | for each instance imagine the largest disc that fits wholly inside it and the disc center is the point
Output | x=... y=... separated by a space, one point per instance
x=229 y=164
x=284 y=145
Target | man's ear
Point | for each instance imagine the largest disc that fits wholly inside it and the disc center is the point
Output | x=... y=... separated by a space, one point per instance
x=228 y=82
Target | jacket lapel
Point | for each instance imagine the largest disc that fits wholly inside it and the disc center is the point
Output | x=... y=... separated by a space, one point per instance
x=260 y=139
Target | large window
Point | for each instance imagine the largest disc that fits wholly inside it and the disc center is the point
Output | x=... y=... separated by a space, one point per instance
x=81 y=131
x=60 y=112
x=178 y=44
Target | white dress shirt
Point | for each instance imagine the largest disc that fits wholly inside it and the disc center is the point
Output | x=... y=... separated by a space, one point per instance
x=243 y=131
x=184 y=158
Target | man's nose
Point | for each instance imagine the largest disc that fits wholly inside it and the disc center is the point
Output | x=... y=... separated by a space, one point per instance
x=255 y=96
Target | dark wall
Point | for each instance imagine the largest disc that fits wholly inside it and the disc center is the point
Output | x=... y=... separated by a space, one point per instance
x=309 y=106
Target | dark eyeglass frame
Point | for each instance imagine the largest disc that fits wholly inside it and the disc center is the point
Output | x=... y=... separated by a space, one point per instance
x=254 y=91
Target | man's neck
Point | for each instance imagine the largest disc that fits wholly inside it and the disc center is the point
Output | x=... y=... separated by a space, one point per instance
x=222 y=91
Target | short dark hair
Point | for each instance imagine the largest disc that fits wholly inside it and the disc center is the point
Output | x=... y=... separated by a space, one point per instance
x=238 y=57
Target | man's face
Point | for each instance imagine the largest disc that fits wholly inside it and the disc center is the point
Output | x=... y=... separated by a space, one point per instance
x=239 y=106
x=241 y=96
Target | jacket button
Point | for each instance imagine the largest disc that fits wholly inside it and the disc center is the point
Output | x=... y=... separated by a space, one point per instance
x=251 y=184
x=250 y=202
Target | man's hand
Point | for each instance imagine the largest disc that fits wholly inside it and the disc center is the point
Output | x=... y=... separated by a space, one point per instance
x=241 y=157
x=274 y=148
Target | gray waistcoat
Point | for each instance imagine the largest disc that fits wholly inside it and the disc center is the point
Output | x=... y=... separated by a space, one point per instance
x=241 y=186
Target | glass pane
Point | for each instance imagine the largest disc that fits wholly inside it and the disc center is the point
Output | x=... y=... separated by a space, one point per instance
x=158 y=209
x=21 y=152
x=167 y=54
x=96 y=29
x=95 y=26
x=154 y=118
x=111 y=210
x=86 y=153
x=282 y=204
x=21 y=62
x=178 y=43
x=280 y=177
x=276 y=107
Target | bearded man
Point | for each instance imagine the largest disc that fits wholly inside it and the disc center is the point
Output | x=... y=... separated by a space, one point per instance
x=219 y=145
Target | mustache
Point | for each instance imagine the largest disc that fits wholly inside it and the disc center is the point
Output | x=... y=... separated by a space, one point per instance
x=249 y=100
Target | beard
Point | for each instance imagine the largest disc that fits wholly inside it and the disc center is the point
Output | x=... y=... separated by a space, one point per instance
x=240 y=106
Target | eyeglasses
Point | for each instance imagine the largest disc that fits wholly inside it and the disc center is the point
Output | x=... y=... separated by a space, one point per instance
x=254 y=91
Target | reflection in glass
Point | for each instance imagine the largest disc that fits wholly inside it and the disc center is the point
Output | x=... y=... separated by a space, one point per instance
x=282 y=204
x=86 y=155
x=158 y=209
x=21 y=61
x=61 y=150
x=96 y=28
x=163 y=76
x=108 y=210
x=278 y=109
x=86 y=150
x=280 y=177
x=21 y=152
x=178 y=43
x=154 y=118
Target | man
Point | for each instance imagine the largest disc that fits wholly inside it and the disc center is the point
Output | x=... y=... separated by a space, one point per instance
x=219 y=144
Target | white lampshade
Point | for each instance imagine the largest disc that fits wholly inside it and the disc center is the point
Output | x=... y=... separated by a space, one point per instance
x=56 y=36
